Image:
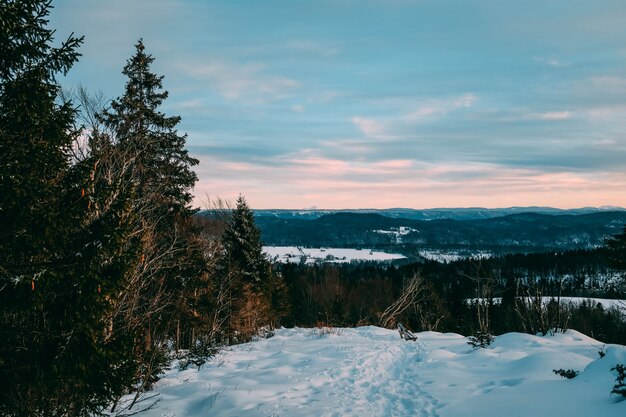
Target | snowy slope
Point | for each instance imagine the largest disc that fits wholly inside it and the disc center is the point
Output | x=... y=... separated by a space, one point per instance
x=369 y=371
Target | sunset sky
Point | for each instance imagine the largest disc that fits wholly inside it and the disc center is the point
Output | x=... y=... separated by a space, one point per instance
x=380 y=103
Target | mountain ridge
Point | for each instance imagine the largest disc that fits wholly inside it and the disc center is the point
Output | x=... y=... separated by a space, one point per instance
x=455 y=213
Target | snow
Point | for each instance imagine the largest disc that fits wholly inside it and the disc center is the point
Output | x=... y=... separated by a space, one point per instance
x=444 y=256
x=397 y=232
x=605 y=302
x=294 y=254
x=369 y=371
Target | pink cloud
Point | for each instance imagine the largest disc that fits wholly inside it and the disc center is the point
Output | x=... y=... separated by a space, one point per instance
x=308 y=179
x=370 y=127
x=395 y=164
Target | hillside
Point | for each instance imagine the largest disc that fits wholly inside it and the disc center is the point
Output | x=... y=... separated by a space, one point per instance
x=369 y=371
x=467 y=213
x=514 y=232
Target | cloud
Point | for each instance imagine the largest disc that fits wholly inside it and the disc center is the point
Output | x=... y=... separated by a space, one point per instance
x=466 y=100
x=241 y=81
x=552 y=62
x=555 y=115
x=397 y=127
x=308 y=178
x=370 y=127
x=426 y=111
x=525 y=116
x=192 y=104
x=436 y=108
x=469 y=116
x=394 y=164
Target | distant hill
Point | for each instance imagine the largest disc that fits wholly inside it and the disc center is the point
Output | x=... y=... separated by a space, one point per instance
x=470 y=213
x=523 y=231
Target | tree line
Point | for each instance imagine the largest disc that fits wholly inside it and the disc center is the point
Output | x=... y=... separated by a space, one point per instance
x=518 y=292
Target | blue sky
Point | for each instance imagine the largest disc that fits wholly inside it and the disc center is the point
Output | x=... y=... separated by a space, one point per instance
x=372 y=103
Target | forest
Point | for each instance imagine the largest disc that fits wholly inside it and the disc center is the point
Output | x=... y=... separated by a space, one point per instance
x=520 y=292
x=108 y=273
x=519 y=232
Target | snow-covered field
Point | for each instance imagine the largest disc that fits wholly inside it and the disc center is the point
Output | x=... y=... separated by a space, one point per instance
x=451 y=256
x=295 y=254
x=370 y=371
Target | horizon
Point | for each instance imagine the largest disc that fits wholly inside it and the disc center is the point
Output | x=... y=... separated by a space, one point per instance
x=599 y=208
x=379 y=103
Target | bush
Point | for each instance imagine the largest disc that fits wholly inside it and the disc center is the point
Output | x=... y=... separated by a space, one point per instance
x=481 y=340
x=566 y=373
x=198 y=355
x=620 y=382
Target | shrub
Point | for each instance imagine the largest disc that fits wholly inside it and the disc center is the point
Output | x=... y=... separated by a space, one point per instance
x=198 y=355
x=481 y=340
x=620 y=382
x=566 y=373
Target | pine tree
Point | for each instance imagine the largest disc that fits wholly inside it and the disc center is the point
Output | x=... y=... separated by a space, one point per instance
x=160 y=170
x=259 y=295
x=242 y=244
x=60 y=261
x=163 y=167
x=34 y=130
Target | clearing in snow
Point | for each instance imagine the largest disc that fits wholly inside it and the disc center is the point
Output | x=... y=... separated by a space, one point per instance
x=370 y=371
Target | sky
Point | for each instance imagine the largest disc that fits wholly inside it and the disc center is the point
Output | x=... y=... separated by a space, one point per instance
x=379 y=103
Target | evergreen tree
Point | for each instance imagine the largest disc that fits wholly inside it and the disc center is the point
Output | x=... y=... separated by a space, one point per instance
x=34 y=129
x=242 y=244
x=160 y=170
x=61 y=262
x=163 y=167
x=259 y=295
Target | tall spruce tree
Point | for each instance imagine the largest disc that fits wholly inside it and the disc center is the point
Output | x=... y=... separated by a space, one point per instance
x=242 y=244
x=60 y=261
x=160 y=169
x=258 y=294
x=163 y=167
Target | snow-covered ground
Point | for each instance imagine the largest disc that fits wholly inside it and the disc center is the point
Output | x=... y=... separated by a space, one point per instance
x=369 y=371
x=451 y=255
x=397 y=232
x=604 y=302
x=295 y=254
